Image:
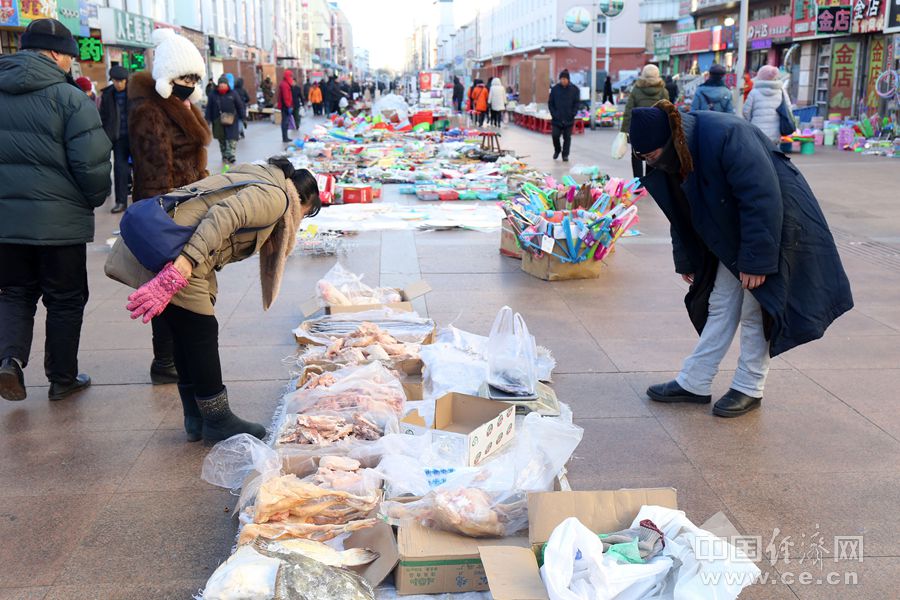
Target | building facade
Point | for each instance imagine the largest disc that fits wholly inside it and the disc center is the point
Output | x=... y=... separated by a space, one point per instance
x=832 y=50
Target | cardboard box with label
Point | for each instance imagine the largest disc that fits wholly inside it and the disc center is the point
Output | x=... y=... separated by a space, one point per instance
x=512 y=571
x=509 y=242
x=407 y=295
x=550 y=268
x=475 y=427
x=357 y=194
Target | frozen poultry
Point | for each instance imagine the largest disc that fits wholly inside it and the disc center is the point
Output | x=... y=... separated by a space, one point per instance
x=289 y=498
x=364 y=429
x=321 y=381
x=339 y=463
x=331 y=295
x=316 y=550
x=468 y=511
x=308 y=531
x=327 y=429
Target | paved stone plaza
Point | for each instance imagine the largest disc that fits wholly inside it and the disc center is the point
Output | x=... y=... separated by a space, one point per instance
x=101 y=497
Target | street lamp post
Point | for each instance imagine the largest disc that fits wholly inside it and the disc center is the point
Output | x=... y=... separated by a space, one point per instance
x=595 y=23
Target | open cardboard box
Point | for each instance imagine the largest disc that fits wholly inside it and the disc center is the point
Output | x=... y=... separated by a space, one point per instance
x=550 y=268
x=437 y=562
x=512 y=570
x=479 y=427
x=379 y=538
x=407 y=295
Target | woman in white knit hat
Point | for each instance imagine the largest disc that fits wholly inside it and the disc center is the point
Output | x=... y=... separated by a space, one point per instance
x=168 y=144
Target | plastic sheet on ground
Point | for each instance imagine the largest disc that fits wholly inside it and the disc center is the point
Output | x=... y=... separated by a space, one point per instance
x=387 y=216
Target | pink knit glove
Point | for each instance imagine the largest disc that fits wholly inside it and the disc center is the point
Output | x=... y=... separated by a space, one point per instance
x=152 y=298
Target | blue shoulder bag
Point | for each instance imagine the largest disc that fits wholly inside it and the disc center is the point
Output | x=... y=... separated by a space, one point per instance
x=152 y=234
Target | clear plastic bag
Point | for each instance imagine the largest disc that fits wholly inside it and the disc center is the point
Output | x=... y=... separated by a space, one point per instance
x=246 y=575
x=230 y=461
x=341 y=287
x=511 y=354
x=407 y=327
x=326 y=432
x=366 y=388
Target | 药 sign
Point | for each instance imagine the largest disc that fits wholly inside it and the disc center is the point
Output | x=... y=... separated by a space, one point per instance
x=122 y=28
x=89 y=49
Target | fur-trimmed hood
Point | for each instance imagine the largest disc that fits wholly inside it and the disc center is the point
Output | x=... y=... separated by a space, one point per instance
x=274 y=252
x=649 y=82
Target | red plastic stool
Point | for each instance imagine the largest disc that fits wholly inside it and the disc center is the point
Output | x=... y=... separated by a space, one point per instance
x=579 y=126
x=546 y=126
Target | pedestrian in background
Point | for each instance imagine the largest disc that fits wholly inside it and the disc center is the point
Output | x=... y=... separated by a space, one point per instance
x=299 y=99
x=672 y=89
x=749 y=237
x=647 y=91
x=225 y=111
x=480 y=102
x=748 y=85
x=459 y=92
x=285 y=102
x=168 y=136
x=713 y=94
x=608 y=91
x=253 y=209
x=315 y=98
x=306 y=87
x=54 y=172
x=761 y=107
x=241 y=91
x=87 y=86
x=563 y=105
x=268 y=92
x=114 y=115
x=497 y=101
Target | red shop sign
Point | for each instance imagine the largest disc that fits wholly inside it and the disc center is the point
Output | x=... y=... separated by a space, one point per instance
x=868 y=16
x=774 y=28
x=679 y=43
x=700 y=41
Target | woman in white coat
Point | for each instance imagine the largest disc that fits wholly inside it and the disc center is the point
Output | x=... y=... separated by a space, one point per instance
x=497 y=101
x=761 y=107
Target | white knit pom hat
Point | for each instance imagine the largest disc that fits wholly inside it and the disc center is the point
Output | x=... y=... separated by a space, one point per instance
x=175 y=56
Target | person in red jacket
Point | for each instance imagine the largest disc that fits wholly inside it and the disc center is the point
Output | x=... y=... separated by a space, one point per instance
x=286 y=103
x=480 y=102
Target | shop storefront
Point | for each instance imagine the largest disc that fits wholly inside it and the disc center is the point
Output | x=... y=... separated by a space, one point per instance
x=767 y=41
x=126 y=36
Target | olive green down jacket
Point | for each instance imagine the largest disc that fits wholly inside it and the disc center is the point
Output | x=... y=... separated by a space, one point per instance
x=54 y=155
x=218 y=239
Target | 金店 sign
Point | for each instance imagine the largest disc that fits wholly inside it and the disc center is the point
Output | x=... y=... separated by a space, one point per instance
x=122 y=28
x=833 y=19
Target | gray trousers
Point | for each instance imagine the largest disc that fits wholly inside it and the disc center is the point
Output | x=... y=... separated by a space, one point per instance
x=729 y=306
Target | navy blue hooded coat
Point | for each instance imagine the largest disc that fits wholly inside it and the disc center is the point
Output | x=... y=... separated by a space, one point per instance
x=752 y=210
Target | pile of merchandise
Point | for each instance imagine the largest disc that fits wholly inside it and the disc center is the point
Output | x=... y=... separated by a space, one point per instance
x=574 y=224
x=402 y=449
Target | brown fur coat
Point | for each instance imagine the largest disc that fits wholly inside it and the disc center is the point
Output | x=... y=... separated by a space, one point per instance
x=168 y=140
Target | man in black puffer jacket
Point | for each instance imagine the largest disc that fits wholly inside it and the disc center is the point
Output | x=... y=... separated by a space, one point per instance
x=54 y=171
x=563 y=105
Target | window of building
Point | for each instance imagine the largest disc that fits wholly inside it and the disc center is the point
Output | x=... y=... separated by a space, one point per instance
x=601 y=26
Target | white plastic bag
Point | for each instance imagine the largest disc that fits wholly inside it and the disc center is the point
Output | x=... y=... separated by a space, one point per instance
x=246 y=575
x=340 y=287
x=511 y=354
x=620 y=146
x=575 y=568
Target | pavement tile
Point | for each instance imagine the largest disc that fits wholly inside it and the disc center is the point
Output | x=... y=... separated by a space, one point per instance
x=796 y=503
x=841 y=352
x=98 y=408
x=167 y=463
x=23 y=593
x=174 y=590
x=155 y=537
x=600 y=395
x=872 y=578
x=39 y=534
x=872 y=392
x=255 y=363
x=33 y=463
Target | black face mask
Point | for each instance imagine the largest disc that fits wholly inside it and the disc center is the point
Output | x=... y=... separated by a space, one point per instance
x=182 y=92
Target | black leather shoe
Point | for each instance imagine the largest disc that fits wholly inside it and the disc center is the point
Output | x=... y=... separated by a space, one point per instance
x=555 y=155
x=162 y=374
x=12 y=380
x=565 y=159
x=118 y=208
x=670 y=391
x=735 y=404
x=58 y=391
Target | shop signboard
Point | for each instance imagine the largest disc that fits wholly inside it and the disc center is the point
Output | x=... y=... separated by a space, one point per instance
x=9 y=13
x=762 y=33
x=868 y=16
x=122 y=28
x=662 y=45
x=700 y=41
x=892 y=20
x=843 y=77
x=29 y=10
x=70 y=15
x=722 y=38
x=679 y=43
x=89 y=49
x=804 y=18
x=87 y=12
x=876 y=65
x=425 y=81
x=833 y=20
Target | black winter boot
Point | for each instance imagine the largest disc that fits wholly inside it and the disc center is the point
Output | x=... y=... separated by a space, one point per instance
x=162 y=373
x=12 y=381
x=193 y=420
x=219 y=423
